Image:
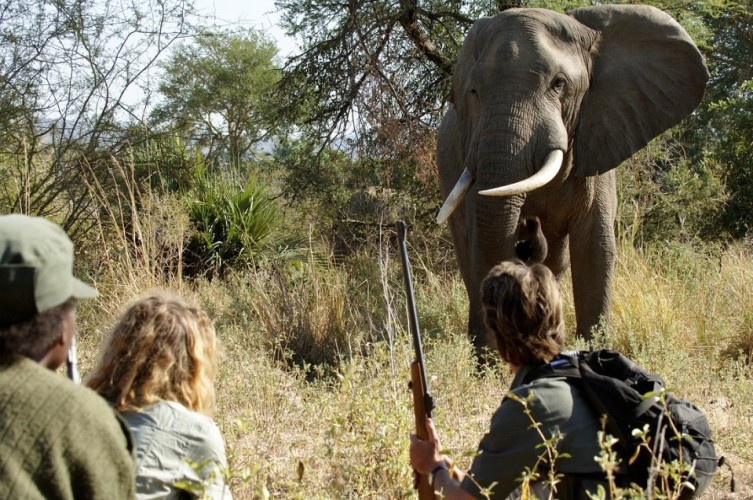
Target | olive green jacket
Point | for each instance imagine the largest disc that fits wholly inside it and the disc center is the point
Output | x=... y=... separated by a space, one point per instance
x=59 y=440
x=512 y=444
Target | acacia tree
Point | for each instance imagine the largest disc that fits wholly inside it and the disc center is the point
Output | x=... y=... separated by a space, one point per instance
x=370 y=80
x=375 y=75
x=362 y=57
x=218 y=94
x=70 y=70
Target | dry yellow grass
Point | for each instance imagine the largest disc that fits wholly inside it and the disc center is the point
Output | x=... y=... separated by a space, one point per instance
x=296 y=429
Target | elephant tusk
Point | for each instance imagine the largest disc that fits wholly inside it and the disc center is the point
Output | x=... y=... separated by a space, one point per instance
x=552 y=165
x=456 y=196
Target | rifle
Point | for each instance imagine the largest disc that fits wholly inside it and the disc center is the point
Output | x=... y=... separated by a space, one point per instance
x=71 y=362
x=423 y=403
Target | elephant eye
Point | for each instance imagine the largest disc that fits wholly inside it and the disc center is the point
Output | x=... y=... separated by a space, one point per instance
x=558 y=84
x=473 y=91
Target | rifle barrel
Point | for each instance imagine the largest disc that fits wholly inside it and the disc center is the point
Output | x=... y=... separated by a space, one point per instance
x=71 y=362
x=414 y=328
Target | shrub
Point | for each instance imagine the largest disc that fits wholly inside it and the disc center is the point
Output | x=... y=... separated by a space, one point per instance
x=232 y=225
x=666 y=196
x=166 y=164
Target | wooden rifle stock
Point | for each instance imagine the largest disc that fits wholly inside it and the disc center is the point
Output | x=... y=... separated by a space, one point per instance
x=423 y=403
x=425 y=490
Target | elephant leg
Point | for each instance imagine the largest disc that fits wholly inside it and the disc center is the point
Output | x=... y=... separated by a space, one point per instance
x=558 y=256
x=592 y=270
x=593 y=251
x=483 y=344
x=476 y=329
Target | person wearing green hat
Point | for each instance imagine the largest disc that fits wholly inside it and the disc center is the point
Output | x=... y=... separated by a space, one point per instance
x=58 y=439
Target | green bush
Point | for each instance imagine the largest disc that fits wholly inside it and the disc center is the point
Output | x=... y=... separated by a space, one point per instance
x=233 y=225
x=664 y=195
x=166 y=164
x=732 y=151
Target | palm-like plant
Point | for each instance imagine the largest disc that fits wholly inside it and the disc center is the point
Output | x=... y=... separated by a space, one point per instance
x=232 y=225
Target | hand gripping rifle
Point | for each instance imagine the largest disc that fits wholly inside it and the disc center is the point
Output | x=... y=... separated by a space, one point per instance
x=423 y=403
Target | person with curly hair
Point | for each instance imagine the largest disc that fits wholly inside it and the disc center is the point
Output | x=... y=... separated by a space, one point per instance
x=157 y=369
x=58 y=439
x=522 y=311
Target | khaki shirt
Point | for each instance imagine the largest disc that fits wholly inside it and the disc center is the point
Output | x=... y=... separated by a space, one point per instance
x=512 y=445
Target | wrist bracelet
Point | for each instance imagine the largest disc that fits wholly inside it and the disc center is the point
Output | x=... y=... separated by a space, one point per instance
x=439 y=467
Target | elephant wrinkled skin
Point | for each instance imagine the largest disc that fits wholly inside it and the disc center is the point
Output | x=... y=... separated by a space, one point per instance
x=579 y=93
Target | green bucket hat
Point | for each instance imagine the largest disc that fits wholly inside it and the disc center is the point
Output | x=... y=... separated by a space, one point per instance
x=36 y=268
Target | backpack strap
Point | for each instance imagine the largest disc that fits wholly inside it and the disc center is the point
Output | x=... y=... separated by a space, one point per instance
x=563 y=365
x=571 y=365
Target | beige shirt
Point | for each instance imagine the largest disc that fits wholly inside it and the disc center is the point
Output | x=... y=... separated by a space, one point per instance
x=177 y=450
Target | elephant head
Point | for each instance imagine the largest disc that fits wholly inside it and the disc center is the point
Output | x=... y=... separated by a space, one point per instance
x=545 y=105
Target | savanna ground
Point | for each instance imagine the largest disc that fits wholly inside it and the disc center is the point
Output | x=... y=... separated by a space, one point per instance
x=312 y=393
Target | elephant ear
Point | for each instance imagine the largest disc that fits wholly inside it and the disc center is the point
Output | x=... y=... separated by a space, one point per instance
x=647 y=76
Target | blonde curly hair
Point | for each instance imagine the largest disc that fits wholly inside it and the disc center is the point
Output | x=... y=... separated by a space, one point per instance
x=522 y=311
x=161 y=349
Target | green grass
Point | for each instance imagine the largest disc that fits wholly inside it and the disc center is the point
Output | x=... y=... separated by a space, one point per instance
x=312 y=393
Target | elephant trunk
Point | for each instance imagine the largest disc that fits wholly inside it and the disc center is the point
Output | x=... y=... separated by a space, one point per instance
x=493 y=229
x=496 y=222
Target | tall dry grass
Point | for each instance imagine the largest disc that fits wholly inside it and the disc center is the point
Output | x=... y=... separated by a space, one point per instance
x=312 y=393
x=136 y=246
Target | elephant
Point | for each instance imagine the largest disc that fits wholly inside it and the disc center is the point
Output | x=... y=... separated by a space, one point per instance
x=544 y=106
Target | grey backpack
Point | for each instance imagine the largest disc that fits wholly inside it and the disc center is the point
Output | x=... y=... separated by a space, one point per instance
x=628 y=395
